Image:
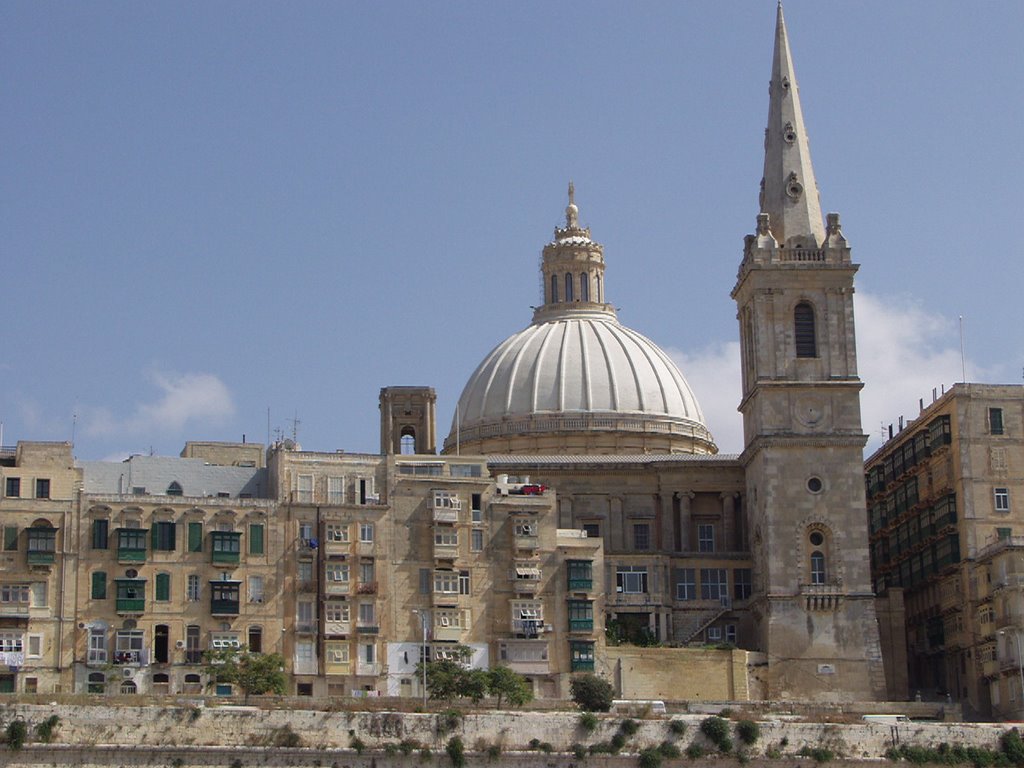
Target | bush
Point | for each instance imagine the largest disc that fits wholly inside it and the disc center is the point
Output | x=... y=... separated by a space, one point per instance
x=715 y=728
x=676 y=727
x=493 y=751
x=748 y=731
x=408 y=746
x=456 y=751
x=286 y=737
x=534 y=744
x=448 y=721
x=591 y=693
x=629 y=727
x=1012 y=746
x=44 y=731
x=587 y=722
x=546 y=748
x=819 y=754
x=669 y=750
x=579 y=751
x=773 y=752
x=650 y=758
x=617 y=743
x=695 y=751
x=16 y=733
x=357 y=744
x=426 y=755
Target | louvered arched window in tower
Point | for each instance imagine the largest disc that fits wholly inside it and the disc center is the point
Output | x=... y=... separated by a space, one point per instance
x=804 y=332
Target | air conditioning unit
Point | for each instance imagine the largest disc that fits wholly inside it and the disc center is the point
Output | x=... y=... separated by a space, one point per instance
x=126 y=673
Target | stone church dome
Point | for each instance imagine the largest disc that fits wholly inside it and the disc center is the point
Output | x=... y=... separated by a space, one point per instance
x=576 y=380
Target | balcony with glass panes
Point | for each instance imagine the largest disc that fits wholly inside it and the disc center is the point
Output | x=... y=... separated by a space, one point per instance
x=131 y=545
x=225 y=547
x=42 y=545
x=225 y=597
x=131 y=596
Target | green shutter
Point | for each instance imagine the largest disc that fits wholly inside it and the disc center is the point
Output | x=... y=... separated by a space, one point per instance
x=195 y=537
x=153 y=537
x=10 y=538
x=163 y=586
x=99 y=534
x=256 y=539
x=99 y=585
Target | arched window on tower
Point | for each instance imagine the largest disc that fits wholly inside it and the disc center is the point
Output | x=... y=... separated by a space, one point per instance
x=554 y=289
x=817 y=567
x=803 y=327
x=568 y=286
x=600 y=296
x=407 y=442
x=584 y=286
x=818 y=562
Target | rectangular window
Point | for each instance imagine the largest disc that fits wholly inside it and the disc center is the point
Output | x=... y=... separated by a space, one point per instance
x=35 y=646
x=335 y=490
x=1003 y=534
x=337 y=653
x=593 y=530
x=367 y=572
x=1002 y=499
x=641 y=536
x=464 y=583
x=364 y=491
x=10 y=538
x=12 y=488
x=40 y=594
x=194 y=588
x=995 y=421
x=446 y=582
x=256 y=539
x=97 y=646
x=99 y=585
x=741 y=583
x=337 y=612
x=42 y=488
x=163 y=536
x=581 y=574
x=477 y=507
x=705 y=537
x=581 y=616
x=369 y=653
x=195 y=537
x=255 y=589
x=14 y=593
x=714 y=584
x=446 y=537
x=304 y=571
x=476 y=540
x=367 y=614
x=337 y=573
x=337 y=533
x=163 y=587
x=100 y=533
x=730 y=633
x=11 y=642
x=631 y=579
x=686 y=584
x=304 y=489
x=714 y=634
x=366 y=533
x=43 y=542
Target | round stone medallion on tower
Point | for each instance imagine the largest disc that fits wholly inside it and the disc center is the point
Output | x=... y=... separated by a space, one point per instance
x=576 y=381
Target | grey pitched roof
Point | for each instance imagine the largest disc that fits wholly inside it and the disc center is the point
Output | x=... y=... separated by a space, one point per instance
x=156 y=473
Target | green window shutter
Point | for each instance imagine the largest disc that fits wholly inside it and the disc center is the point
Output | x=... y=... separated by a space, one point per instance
x=153 y=537
x=99 y=534
x=195 y=537
x=10 y=538
x=256 y=539
x=163 y=586
x=99 y=585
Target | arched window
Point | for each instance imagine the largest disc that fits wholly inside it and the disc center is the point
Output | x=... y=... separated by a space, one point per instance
x=568 y=286
x=600 y=296
x=407 y=442
x=554 y=289
x=803 y=327
x=128 y=688
x=817 y=567
x=584 y=286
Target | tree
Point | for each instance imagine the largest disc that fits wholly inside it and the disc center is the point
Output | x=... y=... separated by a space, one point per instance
x=254 y=673
x=473 y=684
x=503 y=683
x=592 y=693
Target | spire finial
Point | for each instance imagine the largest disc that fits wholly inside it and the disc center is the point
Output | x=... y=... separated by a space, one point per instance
x=571 y=211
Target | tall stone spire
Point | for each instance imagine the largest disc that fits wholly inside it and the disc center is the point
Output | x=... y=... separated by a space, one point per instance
x=789 y=192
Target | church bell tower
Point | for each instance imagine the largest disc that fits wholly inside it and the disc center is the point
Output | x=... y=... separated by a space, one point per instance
x=803 y=454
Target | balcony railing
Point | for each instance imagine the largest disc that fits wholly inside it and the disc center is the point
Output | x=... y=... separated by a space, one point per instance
x=367 y=668
x=305 y=627
x=40 y=558
x=334 y=588
x=130 y=657
x=581 y=625
x=527 y=627
x=367 y=588
x=14 y=610
x=367 y=629
x=582 y=665
x=224 y=607
x=446 y=515
x=130 y=605
x=581 y=584
x=131 y=555
x=225 y=558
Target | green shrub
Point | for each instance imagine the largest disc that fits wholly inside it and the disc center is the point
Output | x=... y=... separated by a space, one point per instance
x=742 y=757
x=493 y=751
x=426 y=755
x=716 y=729
x=819 y=754
x=748 y=731
x=650 y=758
x=16 y=733
x=546 y=748
x=601 y=748
x=408 y=746
x=286 y=737
x=629 y=727
x=725 y=745
x=773 y=752
x=669 y=750
x=357 y=744
x=456 y=751
x=676 y=727
x=618 y=742
x=579 y=751
x=591 y=693
x=726 y=712
x=390 y=749
x=1012 y=746
x=587 y=722
x=44 y=731
x=534 y=744
x=448 y=721
x=695 y=751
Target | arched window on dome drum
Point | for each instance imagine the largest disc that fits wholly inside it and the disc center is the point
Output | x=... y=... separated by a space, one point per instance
x=554 y=289
x=803 y=327
x=568 y=286
x=584 y=286
x=600 y=296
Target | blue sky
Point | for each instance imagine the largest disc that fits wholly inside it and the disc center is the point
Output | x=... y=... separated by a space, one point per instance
x=209 y=210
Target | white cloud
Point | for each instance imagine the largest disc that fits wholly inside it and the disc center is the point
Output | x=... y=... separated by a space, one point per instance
x=903 y=351
x=184 y=399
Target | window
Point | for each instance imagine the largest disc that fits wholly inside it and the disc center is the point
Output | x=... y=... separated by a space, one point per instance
x=304 y=489
x=714 y=585
x=97 y=646
x=42 y=488
x=39 y=594
x=306 y=532
x=581 y=616
x=304 y=571
x=584 y=287
x=193 y=653
x=464 y=587
x=581 y=574
x=194 y=588
x=175 y=489
x=10 y=538
x=446 y=582
x=706 y=537
x=163 y=537
x=995 y=421
x=163 y=587
x=593 y=530
x=525 y=529
x=195 y=537
x=367 y=572
x=255 y=589
x=803 y=328
x=35 y=646
x=13 y=487
x=369 y=653
x=337 y=612
x=335 y=490
x=476 y=540
x=817 y=567
x=128 y=646
x=99 y=585
x=224 y=640
x=554 y=289
x=1002 y=499
x=686 y=584
x=14 y=593
x=364 y=491
x=337 y=533
x=42 y=540
x=730 y=633
x=476 y=503
x=366 y=533
x=741 y=583
x=641 y=536
x=11 y=642
x=337 y=573
x=631 y=579
x=100 y=533
x=337 y=653
x=714 y=634
x=367 y=614
x=96 y=683
x=1003 y=534
x=568 y=286
x=256 y=539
